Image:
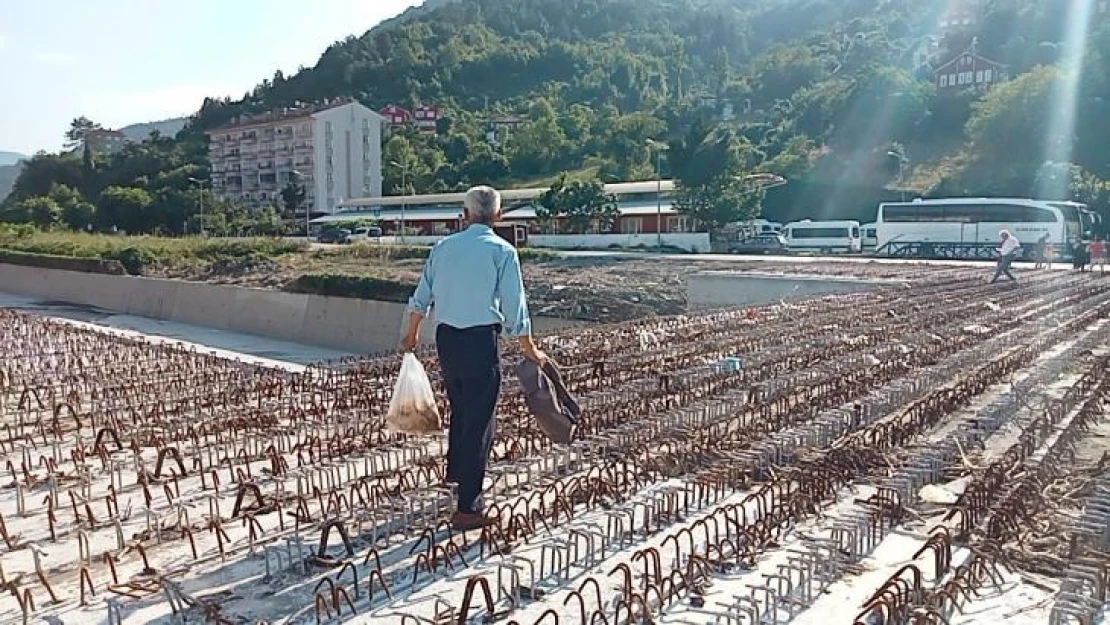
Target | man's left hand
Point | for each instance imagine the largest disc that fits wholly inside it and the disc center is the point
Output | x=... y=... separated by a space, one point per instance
x=408 y=343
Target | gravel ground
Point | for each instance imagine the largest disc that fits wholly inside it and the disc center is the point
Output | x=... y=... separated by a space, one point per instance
x=601 y=289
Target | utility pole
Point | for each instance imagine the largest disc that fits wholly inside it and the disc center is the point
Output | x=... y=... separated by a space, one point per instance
x=659 y=149
x=296 y=177
x=900 y=155
x=200 y=202
x=404 y=193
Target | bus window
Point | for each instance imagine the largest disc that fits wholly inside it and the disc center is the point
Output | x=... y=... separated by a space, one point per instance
x=855 y=232
x=821 y=233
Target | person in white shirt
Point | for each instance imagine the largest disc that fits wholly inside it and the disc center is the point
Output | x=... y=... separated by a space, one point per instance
x=1007 y=252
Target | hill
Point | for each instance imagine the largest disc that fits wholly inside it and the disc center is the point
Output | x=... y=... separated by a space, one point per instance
x=10 y=158
x=8 y=174
x=166 y=128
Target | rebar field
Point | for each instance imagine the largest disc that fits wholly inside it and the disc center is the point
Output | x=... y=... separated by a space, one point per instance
x=748 y=466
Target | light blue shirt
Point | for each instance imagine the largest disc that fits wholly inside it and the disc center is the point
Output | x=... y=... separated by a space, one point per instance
x=472 y=278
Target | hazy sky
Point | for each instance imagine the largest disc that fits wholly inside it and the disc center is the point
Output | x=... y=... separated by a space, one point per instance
x=120 y=62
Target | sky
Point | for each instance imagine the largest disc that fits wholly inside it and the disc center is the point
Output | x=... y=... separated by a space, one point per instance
x=121 y=62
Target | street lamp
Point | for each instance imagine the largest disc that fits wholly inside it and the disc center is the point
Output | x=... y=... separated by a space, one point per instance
x=307 y=213
x=200 y=201
x=659 y=148
x=900 y=155
x=404 y=193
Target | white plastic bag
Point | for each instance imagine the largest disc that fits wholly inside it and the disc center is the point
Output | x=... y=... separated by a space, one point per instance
x=412 y=409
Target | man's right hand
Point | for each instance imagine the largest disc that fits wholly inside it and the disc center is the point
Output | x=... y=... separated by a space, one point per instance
x=531 y=352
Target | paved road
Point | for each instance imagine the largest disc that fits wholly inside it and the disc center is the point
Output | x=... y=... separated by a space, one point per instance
x=862 y=260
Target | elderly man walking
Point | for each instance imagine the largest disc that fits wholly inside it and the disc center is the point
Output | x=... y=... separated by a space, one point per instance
x=473 y=281
x=1007 y=252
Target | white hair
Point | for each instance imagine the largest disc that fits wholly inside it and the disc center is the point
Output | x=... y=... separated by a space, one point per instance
x=482 y=204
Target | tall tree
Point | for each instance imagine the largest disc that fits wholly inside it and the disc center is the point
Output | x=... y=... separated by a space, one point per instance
x=78 y=130
x=712 y=168
x=292 y=197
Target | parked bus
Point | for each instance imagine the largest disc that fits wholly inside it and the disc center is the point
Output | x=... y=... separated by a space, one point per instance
x=969 y=227
x=823 y=236
x=870 y=240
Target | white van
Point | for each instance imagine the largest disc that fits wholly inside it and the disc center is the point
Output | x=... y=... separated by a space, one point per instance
x=870 y=236
x=824 y=236
x=363 y=234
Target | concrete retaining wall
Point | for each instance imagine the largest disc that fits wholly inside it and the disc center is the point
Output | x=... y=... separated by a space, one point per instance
x=714 y=289
x=354 y=325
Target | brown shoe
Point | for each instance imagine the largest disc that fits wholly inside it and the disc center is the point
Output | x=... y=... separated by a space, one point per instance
x=466 y=521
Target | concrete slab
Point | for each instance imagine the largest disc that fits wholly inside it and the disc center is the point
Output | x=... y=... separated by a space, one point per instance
x=711 y=289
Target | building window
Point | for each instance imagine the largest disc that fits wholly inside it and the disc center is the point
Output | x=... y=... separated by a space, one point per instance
x=678 y=224
x=944 y=80
x=951 y=80
x=979 y=76
x=632 y=225
x=987 y=75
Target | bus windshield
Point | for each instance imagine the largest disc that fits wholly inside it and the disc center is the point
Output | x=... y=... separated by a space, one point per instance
x=1074 y=214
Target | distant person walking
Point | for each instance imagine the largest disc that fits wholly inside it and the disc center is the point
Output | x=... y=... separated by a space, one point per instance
x=1007 y=252
x=1097 y=250
x=1042 y=252
x=1078 y=255
x=473 y=281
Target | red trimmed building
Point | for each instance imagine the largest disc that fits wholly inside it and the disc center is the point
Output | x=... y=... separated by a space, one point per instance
x=396 y=115
x=968 y=70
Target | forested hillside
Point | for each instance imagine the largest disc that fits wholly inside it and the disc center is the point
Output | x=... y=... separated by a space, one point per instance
x=823 y=92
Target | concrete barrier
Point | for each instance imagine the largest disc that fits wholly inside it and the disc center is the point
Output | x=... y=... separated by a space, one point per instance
x=714 y=289
x=354 y=325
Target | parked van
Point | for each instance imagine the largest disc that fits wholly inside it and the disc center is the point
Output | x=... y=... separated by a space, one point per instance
x=362 y=234
x=824 y=236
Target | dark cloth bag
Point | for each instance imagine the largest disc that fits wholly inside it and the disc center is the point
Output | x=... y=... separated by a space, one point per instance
x=557 y=413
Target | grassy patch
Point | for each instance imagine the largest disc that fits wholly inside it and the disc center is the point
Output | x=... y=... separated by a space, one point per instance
x=388 y=253
x=137 y=254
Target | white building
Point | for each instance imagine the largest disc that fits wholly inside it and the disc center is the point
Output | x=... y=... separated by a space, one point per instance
x=333 y=148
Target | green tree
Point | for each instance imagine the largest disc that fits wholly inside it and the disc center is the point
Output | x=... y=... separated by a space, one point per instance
x=292 y=197
x=583 y=206
x=125 y=208
x=711 y=167
x=1012 y=124
x=42 y=212
x=77 y=213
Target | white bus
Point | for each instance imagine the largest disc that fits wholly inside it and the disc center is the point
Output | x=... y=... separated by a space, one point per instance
x=968 y=227
x=823 y=236
x=870 y=239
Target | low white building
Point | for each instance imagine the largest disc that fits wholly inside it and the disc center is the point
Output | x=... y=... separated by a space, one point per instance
x=333 y=148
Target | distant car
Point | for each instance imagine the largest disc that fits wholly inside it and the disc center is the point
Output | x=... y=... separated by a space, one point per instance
x=336 y=236
x=365 y=233
x=761 y=244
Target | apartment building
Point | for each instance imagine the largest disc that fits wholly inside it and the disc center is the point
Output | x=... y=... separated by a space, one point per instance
x=103 y=141
x=333 y=148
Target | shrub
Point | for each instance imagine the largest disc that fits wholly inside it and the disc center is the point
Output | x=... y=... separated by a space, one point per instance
x=359 y=287
x=134 y=259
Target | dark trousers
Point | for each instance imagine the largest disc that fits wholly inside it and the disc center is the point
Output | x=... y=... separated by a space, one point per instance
x=1004 y=268
x=471 y=368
